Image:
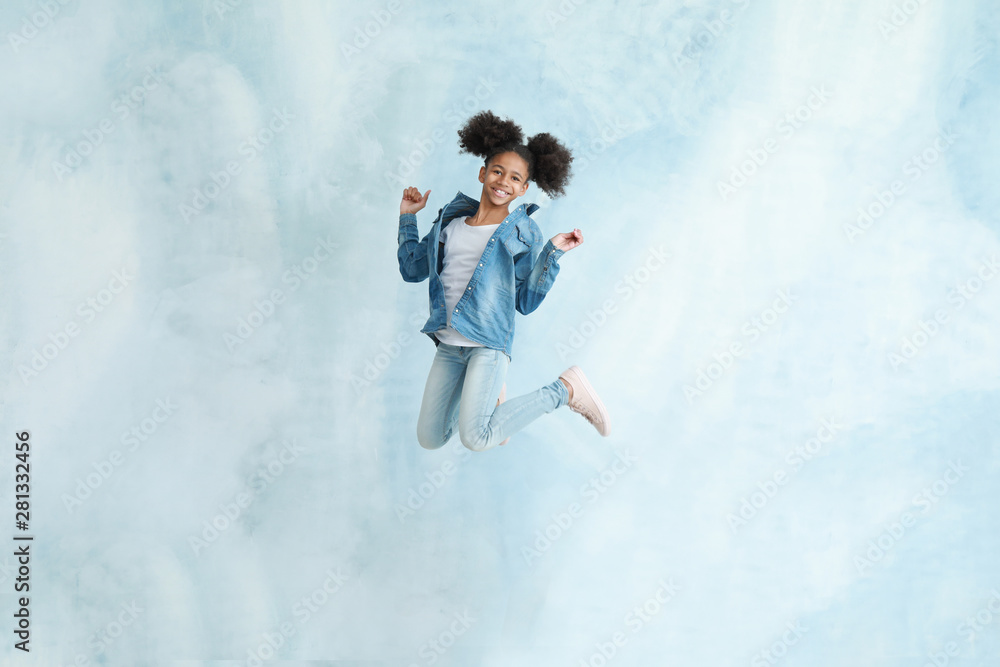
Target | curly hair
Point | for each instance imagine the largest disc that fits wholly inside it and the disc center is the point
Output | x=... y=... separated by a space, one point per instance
x=487 y=136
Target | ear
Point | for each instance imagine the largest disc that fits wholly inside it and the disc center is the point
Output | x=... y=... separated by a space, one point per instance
x=482 y=174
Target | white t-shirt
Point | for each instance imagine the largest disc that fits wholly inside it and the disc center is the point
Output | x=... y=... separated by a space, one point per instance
x=463 y=247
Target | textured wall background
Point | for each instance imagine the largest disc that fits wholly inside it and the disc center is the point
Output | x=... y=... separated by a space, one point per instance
x=206 y=335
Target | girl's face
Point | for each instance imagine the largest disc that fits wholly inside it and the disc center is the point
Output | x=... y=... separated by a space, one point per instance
x=505 y=179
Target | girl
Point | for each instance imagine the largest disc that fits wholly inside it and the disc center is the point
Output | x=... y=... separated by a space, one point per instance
x=484 y=262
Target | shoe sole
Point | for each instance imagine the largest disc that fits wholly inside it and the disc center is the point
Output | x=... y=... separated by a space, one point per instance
x=601 y=410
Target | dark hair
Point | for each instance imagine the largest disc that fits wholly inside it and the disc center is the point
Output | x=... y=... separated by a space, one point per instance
x=486 y=135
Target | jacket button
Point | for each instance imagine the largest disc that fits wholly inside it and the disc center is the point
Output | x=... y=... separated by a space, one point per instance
x=480 y=265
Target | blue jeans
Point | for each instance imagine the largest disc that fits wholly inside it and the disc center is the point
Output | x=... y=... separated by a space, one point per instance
x=462 y=390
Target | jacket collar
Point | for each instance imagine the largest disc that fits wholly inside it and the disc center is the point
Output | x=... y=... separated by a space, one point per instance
x=463 y=204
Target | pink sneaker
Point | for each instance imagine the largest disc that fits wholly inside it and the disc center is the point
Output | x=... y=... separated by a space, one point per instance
x=585 y=400
x=503 y=395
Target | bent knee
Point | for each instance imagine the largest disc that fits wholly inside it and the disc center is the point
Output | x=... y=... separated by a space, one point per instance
x=429 y=441
x=477 y=441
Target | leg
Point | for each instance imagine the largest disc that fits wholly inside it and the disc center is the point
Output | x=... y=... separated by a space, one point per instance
x=483 y=424
x=569 y=388
x=439 y=408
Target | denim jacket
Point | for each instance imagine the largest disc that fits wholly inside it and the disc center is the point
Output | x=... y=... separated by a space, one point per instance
x=516 y=271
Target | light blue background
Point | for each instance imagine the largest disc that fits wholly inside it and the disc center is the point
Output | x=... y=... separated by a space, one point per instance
x=326 y=386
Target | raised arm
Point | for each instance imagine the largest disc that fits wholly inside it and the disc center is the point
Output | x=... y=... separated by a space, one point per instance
x=414 y=255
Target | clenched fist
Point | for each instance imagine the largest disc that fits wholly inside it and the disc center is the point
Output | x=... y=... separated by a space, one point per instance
x=412 y=201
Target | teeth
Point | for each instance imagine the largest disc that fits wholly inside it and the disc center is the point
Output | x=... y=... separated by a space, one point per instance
x=499 y=193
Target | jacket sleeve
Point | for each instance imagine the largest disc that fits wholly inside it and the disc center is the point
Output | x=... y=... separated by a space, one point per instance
x=534 y=273
x=414 y=256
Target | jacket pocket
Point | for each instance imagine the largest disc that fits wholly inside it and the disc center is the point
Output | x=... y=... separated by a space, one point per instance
x=517 y=242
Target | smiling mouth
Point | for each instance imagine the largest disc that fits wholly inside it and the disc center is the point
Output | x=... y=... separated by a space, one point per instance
x=499 y=193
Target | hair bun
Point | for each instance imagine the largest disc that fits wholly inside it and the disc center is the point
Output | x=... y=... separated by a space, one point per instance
x=485 y=132
x=552 y=161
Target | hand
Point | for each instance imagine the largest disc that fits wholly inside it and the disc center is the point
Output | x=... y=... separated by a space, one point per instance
x=412 y=201
x=567 y=240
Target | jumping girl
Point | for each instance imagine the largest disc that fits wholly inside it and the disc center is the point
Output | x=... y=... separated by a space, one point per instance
x=484 y=262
